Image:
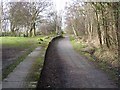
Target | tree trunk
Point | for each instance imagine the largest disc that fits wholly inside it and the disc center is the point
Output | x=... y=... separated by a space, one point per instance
x=56 y=28
x=74 y=31
x=116 y=6
x=117 y=22
x=26 y=33
x=30 y=33
x=34 y=30
x=90 y=30
x=107 y=35
x=12 y=27
x=98 y=30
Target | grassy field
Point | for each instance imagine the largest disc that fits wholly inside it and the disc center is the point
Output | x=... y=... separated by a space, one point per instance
x=21 y=43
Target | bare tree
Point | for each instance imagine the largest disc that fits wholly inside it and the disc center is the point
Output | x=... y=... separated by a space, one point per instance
x=19 y=15
x=36 y=8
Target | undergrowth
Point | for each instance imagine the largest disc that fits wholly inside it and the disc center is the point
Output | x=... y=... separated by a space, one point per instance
x=101 y=60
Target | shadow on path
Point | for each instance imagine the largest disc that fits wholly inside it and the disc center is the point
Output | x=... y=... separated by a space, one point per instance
x=65 y=68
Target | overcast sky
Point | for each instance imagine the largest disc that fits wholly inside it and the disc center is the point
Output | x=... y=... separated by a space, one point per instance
x=60 y=4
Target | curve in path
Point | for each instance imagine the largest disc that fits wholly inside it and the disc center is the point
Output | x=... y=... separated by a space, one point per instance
x=65 y=68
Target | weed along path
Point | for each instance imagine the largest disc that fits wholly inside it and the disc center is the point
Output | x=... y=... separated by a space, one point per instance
x=18 y=78
x=65 y=68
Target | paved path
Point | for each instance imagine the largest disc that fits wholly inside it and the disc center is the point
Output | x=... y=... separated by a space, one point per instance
x=81 y=72
x=18 y=78
x=68 y=69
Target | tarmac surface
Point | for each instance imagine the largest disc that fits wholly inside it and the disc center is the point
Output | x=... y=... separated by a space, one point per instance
x=65 y=68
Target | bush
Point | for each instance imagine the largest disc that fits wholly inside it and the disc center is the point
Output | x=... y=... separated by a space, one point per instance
x=40 y=40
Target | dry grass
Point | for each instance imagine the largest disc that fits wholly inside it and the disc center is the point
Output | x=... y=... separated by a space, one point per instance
x=105 y=59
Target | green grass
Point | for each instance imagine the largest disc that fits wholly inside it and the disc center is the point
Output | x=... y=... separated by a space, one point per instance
x=20 y=42
x=76 y=44
x=35 y=71
x=37 y=66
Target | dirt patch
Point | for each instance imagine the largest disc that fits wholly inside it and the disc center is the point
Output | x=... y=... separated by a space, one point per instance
x=19 y=77
x=9 y=55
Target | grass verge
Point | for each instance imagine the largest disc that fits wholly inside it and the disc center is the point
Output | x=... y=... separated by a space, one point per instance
x=101 y=64
x=35 y=71
x=37 y=66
